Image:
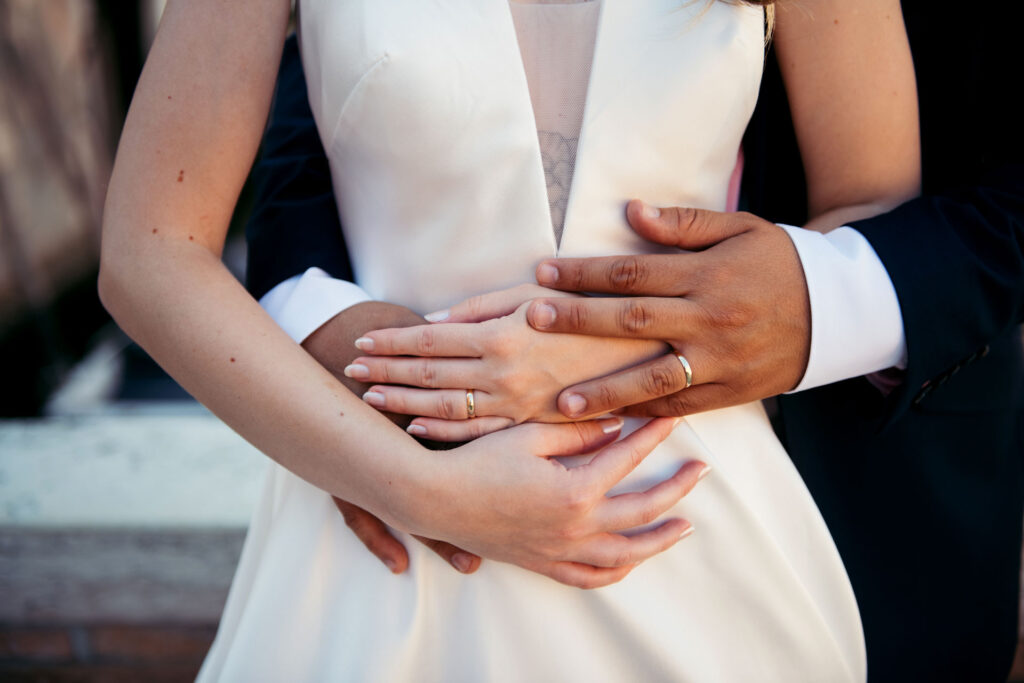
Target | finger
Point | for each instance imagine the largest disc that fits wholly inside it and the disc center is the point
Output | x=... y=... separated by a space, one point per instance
x=464 y=562
x=629 y=510
x=572 y=438
x=633 y=317
x=429 y=373
x=687 y=228
x=423 y=340
x=688 y=402
x=375 y=536
x=660 y=377
x=488 y=306
x=616 y=550
x=613 y=463
x=585 y=576
x=657 y=274
x=464 y=430
x=444 y=404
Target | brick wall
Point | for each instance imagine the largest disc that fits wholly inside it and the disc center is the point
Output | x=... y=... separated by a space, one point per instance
x=103 y=653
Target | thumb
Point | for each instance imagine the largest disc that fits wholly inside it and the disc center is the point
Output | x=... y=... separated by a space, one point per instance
x=686 y=228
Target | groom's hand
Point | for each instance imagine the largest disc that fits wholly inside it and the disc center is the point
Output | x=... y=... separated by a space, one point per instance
x=332 y=345
x=735 y=307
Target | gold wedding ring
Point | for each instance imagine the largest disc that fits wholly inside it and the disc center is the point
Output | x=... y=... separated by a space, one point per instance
x=470 y=404
x=687 y=370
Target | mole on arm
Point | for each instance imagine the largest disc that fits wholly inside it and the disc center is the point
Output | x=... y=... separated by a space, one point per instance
x=181 y=175
x=191 y=238
x=232 y=359
x=154 y=231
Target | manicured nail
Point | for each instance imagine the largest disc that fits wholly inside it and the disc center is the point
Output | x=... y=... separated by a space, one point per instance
x=704 y=472
x=356 y=371
x=576 y=404
x=543 y=315
x=547 y=274
x=686 y=532
x=437 y=316
x=462 y=562
x=612 y=425
x=374 y=398
x=416 y=430
x=649 y=211
x=364 y=344
x=391 y=565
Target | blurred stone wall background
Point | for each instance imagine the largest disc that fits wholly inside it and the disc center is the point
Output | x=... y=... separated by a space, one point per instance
x=58 y=121
x=123 y=503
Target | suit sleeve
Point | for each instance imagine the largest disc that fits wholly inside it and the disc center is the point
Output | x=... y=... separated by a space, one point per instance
x=294 y=224
x=957 y=264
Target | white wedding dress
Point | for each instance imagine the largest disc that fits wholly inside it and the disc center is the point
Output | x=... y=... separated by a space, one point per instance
x=426 y=116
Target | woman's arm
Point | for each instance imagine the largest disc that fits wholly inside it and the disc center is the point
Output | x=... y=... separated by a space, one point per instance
x=850 y=81
x=189 y=139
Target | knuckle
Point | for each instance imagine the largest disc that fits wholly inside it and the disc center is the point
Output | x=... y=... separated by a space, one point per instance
x=576 y=500
x=606 y=396
x=622 y=558
x=687 y=218
x=448 y=408
x=648 y=514
x=428 y=374
x=658 y=380
x=576 y=318
x=677 y=404
x=634 y=317
x=426 y=340
x=575 y=276
x=627 y=273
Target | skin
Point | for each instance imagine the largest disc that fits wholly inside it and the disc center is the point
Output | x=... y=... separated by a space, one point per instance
x=738 y=308
x=189 y=139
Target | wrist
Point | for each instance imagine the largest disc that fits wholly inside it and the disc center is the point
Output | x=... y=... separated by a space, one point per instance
x=333 y=343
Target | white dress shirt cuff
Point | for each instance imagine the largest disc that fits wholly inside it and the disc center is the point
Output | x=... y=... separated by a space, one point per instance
x=856 y=324
x=303 y=303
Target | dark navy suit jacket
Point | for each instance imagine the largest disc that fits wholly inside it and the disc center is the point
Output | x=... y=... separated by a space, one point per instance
x=922 y=490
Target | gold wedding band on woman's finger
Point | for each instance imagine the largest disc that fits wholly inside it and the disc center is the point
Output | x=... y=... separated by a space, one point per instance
x=470 y=404
x=687 y=370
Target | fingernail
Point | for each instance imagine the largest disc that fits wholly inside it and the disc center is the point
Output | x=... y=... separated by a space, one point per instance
x=356 y=371
x=543 y=315
x=374 y=398
x=686 y=532
x=611 y=426
x=649 y=211
x=547 y=274
x=704 y=472
x=437 y=316
x=391 y=565
x=364 y=344
x=461 y=562
x=416 y=430
x=676 y=421
x=576 y=404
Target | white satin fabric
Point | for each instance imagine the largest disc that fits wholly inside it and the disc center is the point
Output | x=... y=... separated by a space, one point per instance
x=424 y=111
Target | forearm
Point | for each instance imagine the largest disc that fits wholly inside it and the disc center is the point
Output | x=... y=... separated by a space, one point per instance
x=185 y=309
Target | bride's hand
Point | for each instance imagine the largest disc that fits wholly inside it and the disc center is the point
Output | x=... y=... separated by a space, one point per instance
x=504 y=497
x=515 y=373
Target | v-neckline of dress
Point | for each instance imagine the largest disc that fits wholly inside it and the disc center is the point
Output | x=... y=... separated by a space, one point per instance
x=525 y=99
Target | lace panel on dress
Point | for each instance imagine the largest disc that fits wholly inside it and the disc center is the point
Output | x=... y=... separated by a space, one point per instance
x=556 y=41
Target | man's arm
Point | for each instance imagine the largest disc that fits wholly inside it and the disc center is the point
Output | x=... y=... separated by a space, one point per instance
x=956 y=263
